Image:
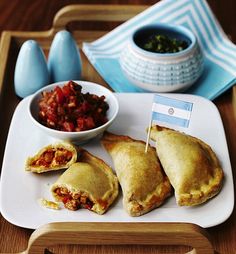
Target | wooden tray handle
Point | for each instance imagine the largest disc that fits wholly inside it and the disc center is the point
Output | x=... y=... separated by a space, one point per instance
x=184 y=234
x=94 y=13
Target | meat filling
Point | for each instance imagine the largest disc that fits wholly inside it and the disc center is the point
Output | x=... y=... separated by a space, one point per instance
x=54 y=157
x=74 y=201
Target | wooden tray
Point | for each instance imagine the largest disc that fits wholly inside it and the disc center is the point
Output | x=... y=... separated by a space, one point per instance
x=184 y=234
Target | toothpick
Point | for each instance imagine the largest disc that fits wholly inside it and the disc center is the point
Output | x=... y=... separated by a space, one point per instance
x=148 y=135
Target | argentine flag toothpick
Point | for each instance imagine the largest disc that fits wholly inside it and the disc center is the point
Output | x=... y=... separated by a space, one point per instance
x=171 y=111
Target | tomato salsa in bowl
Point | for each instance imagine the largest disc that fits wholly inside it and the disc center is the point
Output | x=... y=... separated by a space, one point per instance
x=74 y=111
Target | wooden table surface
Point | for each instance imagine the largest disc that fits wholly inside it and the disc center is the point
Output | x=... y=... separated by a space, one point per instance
x=37 y=15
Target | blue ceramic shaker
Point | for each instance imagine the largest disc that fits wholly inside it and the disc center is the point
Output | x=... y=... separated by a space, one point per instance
x=64 y=62
x=31 y=71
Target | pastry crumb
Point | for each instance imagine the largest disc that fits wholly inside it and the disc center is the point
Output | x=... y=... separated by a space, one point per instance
x=49 y=204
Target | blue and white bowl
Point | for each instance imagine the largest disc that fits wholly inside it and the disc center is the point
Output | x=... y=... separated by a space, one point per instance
x=162 y=72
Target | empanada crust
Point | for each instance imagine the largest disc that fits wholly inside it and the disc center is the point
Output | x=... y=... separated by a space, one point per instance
x=55 y=165
x=191 y=165
x=143 y=182
x=90 y=177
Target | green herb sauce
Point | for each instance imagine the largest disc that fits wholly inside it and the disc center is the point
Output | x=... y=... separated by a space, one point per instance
x=163 y=44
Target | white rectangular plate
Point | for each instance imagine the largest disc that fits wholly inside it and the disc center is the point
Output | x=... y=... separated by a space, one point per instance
x=20 y=190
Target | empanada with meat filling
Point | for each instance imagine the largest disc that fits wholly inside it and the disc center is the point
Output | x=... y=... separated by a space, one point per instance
x=89 y=183
x=52 y=157
x=191 y=165
x=143 y=182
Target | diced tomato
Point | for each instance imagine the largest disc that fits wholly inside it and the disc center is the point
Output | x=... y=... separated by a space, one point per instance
x=72 y=102
x=48 y=156
x=88 y=205
x=68 y=109
x=51 y=115
x=40 y=162
x=81 y=123
x=60 y=110
x=68 y=126
x=89 y=123
x=59 y=95
x=66 y=199
x=66 y=91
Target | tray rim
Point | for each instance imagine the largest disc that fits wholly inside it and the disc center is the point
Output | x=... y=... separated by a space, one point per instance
x=7 y=38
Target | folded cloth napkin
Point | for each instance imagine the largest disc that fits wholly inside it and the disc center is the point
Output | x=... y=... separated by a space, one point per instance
x=219 y=53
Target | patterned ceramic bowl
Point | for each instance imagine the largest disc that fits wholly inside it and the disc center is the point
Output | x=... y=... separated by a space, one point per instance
x=162 y=72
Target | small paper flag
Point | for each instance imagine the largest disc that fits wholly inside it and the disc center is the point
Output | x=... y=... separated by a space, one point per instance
x=171 y=111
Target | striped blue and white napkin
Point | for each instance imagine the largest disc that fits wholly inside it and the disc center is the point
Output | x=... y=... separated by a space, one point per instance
x=220 y=54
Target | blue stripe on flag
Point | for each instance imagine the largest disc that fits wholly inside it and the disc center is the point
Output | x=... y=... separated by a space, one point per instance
x=173 y=102
x=170 y=119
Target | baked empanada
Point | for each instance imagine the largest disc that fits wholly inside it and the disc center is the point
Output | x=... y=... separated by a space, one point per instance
x=143 y=182
x=89 y=183
x=192 y=167
x=52 y=157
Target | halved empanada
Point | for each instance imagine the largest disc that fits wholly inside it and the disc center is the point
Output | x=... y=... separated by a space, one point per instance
x=143 y=182
x=89 y=183
x=192 y=167
x=52 y=157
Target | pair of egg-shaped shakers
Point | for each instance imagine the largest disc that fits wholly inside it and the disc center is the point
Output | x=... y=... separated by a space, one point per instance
x=33 y=71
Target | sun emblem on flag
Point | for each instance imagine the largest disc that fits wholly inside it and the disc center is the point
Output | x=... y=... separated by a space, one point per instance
x=171 y=111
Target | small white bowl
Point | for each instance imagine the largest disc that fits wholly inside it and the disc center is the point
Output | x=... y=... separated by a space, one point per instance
x=162 y=72
x=81 y=136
